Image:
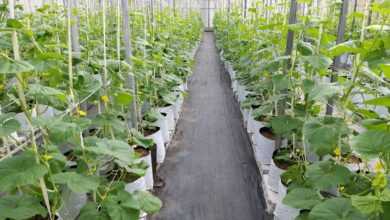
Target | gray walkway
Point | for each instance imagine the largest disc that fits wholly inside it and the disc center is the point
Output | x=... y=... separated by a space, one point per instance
x=210 y=171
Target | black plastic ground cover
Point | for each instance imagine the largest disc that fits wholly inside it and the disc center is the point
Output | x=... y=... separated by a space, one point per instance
x=210 y=170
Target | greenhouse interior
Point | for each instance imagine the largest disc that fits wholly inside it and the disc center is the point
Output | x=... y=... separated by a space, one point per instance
x=195 y=109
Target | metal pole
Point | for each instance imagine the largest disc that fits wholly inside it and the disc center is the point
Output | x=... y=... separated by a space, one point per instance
x=131 y=82
x=208 y=13
x=339 y=39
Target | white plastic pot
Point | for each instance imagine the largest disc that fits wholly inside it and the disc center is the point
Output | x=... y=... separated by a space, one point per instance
x=274 y=177
x=170 y=115
x=149 y=181
x=282 y=211
x=242 y=92
x=137 y=185
x=263 y=148
x=162 y=123
x=253 y=125
x=159 y=140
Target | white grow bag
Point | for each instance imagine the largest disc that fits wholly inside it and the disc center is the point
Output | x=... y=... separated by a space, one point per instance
x=162 y=123
x=253 y=125
x=137 y=185
x=145 y=182
x=170 y=117
x=274 y=177
x=263 y=149
x=282 y=211
x=159 y=140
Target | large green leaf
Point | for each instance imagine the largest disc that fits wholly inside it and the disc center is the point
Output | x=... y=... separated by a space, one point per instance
x=140 y=140
x=345 y=47
x=148 y=202
x=47 y=95
x=335 y=209
x=323 y=134
x=19 y=171
x=302 y=198
x=117 y=149
x=285 y=125
x=327 y=174
x=122 y=206
x=371 y=143
x=123 y=98
x=91 y=211
x=322 y=92
x=382 y=101
x=305 y=48
x=8 y=124
x=280 y=82
x=9 y=66
x=318 y=61
x=367 y=204
x=77 y=182
x=20 y=207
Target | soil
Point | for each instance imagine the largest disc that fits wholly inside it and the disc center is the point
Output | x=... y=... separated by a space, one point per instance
x=142 y=152
x=267 y=132
x=282 y=164
x=255 y=106
x=353 y=159
x=151 y=130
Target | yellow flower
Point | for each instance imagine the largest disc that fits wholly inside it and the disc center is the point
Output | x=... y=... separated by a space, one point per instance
x=378 y=167
x=341 y=188
x=47 y=157
x=81 y=113
x=337 y=152
x=105 y=99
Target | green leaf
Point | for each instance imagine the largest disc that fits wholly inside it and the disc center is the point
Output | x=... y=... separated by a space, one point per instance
x=366 y=71
x=322 y=92
x=20 y=170
x=385 y=69
x=20 y=207
x=91 y=211
x=342 y=48
x=8 y=124
x=117 y=149
x=148 y=202
x=335 y=209
x=302 y=198
x=9 y=66
x=13 y=23
x=140 y=140
x=367 y=204
x=280 y=82
x=371 y=143
x=318 y=61
x=123 y=98
x=122 y=206
x=285 y=125
x=47 y=96
x=305 y=48
x=77 y=182
x=327 y=174
x=322 y=134
x=382 y=101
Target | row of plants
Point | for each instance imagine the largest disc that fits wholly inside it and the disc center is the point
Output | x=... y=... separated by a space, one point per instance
x=86 y=112
x=320 y=132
